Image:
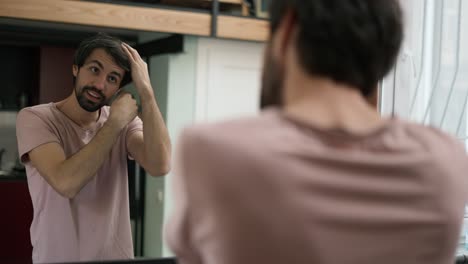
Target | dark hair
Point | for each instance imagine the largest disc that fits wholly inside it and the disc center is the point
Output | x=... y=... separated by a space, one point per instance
x=111 y=45
x=350 y=41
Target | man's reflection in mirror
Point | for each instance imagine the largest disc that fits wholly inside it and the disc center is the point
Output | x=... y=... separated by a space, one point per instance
x=75 y=153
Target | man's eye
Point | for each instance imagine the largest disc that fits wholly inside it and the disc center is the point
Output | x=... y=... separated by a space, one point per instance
x=112 y=79
x=94 y=69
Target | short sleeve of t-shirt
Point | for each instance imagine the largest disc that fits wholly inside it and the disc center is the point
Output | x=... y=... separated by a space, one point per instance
x=32 y=131
x=134 y=126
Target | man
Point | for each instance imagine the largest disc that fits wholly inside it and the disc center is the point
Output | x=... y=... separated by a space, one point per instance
x=76 y=150
x=320 y=177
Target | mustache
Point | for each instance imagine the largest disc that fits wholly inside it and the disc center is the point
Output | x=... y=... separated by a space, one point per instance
x=94 y=89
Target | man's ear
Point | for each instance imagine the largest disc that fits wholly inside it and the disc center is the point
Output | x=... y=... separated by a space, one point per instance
x=373 y=98
x=284 y=35
x=75 y=70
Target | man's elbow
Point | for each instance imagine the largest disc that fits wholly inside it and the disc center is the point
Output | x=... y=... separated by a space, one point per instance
x=65 y=190
x=63 y=187
x=157 y=171
x=68 y=194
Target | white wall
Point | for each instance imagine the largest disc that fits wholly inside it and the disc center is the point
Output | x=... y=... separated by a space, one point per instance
x=154 y=190
x=228 y=79
x=181 y=106
x=173 y=80
x=215 y=79
x=211 y=80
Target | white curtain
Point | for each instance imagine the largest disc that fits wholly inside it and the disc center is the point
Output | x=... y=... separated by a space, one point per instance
x=430 y=81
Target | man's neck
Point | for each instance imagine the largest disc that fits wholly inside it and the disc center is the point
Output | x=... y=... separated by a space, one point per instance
x=71 y=108
x=329 y=105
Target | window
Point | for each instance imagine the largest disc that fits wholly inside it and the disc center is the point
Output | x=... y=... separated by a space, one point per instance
x=430 y=81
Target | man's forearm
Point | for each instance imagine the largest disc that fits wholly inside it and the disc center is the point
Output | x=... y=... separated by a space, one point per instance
x=157 y=145
x=75 y=172
x=153 y=149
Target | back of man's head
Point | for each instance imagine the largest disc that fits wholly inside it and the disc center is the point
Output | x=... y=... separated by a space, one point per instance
x=355 y=42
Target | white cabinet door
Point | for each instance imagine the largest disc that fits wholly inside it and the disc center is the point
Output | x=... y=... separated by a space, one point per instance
x=228 y=79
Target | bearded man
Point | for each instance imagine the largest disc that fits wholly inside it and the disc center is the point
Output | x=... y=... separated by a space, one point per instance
x=75 y=152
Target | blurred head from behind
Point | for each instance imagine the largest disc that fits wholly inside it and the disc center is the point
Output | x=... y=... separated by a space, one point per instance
x=352 y=42
x=100 y=69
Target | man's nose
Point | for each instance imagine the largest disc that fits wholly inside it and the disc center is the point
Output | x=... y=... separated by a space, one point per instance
x=100 y=82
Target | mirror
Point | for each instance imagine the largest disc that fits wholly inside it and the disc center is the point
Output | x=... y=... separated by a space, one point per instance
x=194 y=79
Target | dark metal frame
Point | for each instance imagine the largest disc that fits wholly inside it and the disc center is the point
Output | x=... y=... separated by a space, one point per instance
x=172 y=44
x=214 y=18
x=133 y=261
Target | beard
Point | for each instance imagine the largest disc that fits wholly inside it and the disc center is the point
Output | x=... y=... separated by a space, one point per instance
x=85 y=103
x=272 y=82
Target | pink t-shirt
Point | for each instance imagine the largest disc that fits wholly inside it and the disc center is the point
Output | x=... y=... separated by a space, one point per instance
x=95 y=225
x=273 y=190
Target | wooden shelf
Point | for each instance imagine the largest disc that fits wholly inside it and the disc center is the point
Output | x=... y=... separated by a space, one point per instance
x=239 y=2
x=134 y=18
x=108 y=15
x=243 y=28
